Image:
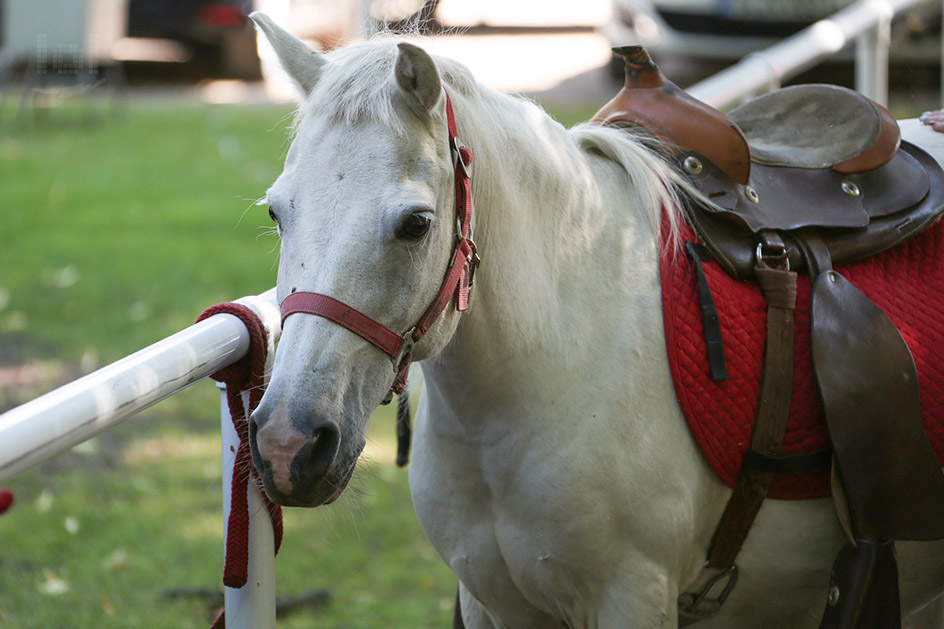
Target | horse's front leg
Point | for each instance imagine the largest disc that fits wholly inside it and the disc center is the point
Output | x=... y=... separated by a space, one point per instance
x=473 y=614
x=646 y=598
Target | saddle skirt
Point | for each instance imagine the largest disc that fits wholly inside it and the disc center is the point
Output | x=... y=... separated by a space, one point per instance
x=906 y=282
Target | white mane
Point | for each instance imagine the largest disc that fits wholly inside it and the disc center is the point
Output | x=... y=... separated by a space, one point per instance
x=658 y=187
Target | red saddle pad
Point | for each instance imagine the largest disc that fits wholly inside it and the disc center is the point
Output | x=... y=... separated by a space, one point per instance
x=907 y=283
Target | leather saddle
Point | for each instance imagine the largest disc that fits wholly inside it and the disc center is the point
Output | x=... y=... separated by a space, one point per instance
x=821 y=158
x=795 y=181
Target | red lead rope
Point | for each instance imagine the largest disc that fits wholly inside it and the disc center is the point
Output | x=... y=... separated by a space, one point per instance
x=457 y=282
x=245 y=375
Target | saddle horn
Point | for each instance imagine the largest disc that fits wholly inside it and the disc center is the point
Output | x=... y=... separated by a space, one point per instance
x=651 y=101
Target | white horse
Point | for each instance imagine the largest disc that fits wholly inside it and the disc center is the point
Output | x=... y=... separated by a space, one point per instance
x=552 y=468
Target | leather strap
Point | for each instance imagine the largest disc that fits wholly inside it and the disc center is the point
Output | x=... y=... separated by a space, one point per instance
x=377 y=334
x=778 y=285
x=457 y=613
x=818 y=461
x=868 y=383
x=773 y=409
x=710 y=323
x=863 y=588
x=457 y=282
x=404 y=429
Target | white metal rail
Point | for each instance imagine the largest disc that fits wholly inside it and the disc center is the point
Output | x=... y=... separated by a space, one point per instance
x=57 y=421
x=61 y=419
x=868 y=22
x=253 y=605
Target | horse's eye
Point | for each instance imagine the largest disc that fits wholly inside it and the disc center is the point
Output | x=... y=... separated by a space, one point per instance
x=414 y=226
x=275 y=219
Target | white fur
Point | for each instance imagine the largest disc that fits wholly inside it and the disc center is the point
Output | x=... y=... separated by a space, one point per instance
x=552 y=468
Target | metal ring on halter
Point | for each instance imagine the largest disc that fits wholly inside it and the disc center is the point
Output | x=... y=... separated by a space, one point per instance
x=459 y=236
x=472 y=260
x=405 y=348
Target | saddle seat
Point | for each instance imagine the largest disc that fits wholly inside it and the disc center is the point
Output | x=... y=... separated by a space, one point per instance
x=818 y=126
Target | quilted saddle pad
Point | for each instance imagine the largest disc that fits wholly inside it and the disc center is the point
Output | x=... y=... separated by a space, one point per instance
x=907 y=283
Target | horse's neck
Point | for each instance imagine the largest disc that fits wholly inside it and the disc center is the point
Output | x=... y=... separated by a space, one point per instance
x=548 y=233
x=534 y=191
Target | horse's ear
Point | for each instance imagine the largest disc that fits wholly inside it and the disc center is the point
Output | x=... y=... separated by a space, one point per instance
x=300 y=62
x=418 y=77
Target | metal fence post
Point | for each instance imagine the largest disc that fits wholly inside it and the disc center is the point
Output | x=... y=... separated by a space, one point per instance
x=871 y=62
x=867 y=20
x=253 y=605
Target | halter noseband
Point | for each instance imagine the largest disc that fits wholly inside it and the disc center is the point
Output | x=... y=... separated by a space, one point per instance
x=457 y=281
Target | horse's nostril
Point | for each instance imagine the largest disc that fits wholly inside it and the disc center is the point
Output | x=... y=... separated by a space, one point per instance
x=316 y=456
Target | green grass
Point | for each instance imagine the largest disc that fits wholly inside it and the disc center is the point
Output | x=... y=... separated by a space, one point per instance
x=118 y=234
x=128 y=227
x=98 y=539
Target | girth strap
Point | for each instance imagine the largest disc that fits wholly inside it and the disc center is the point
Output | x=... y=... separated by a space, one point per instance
x=778 y=285
x=773 y=409
x=772 y=413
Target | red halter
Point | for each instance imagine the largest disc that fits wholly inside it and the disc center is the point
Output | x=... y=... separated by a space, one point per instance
x=457 y=282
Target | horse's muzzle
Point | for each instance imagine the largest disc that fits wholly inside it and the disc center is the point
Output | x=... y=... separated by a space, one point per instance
x=297 y=468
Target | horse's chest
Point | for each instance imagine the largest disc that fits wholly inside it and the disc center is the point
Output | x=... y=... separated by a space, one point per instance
x=906 y=283
x=510 y=530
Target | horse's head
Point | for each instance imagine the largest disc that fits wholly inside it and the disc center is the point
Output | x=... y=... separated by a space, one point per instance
x=366 y=211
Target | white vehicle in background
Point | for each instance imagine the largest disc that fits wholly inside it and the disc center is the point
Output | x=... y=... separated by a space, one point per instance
x=713 y=31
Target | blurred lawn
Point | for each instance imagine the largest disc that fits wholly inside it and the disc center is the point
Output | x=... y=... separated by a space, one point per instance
x=115 y=235
x=122 y=231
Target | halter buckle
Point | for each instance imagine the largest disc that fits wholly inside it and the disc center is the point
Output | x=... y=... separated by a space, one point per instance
x=472 y=260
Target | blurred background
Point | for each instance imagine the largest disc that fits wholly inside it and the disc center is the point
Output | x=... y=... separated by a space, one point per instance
x=201 y=44
x=135 y=139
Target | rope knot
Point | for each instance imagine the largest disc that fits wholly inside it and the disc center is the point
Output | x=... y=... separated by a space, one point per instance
x=249 y=371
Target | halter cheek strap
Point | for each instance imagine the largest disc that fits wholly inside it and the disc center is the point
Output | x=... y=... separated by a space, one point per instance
x=457 y=282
